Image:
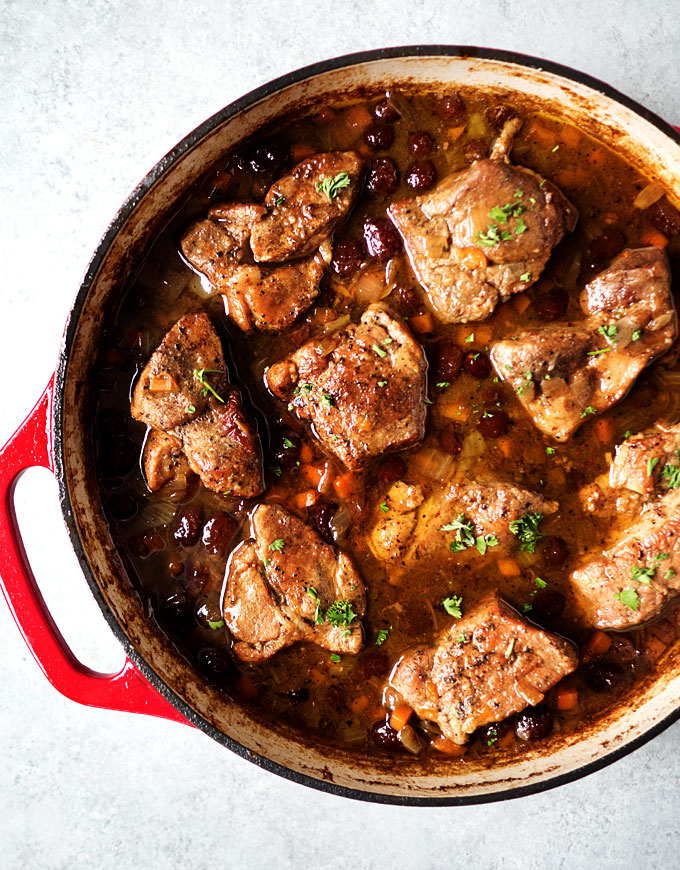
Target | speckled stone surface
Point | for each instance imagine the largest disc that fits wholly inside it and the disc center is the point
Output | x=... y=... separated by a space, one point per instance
x=93 y=94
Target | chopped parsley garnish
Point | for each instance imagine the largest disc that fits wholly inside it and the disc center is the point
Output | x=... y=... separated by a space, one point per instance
x=327 y=400
x=200 y=374
x=382 y=636
x=661 y=557
x=383 y=507
x=555 y=148
x=465 y=536
x=452 y=606
x=492 y=736
x=520 y=227
x=470 y=337
x=636 y=334
x=318 y=615
x=652 y=462
x=598 y=352
x=276 y=470
x=510 y=648
x=483 y=543
x=550 y=451
x=588 y=410
x=340 y=614
x=527 y=607
x=288 y=443
x=627 y=434
x=670 y=573
x=335 y=658
x=525 y=277
x=305 y=389
x=443 y=384
x=381 y=353
x=643 y=575
x=382 y=383
x=526 y=528
x=191 y=409
x=671 y=475
x=267 y=563
x=492 y=236
x=279 y=200
x=277 y=545
x=462 y=638
x=332 y=186
x=610 y=331
x=540 y=583
x=629 y=597
x=219 y=623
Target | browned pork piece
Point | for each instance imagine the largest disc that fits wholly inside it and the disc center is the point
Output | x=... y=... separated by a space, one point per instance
x=482 y=234
x=289 y=585
x=639 y=574
x=255 y=297
x=563 y=374
x=184 y=395
x=168 y=393
x=163 y=459
x=485 y=667
x=363 y=388
x=472 y=516
x=305 y=206
x=648 y=460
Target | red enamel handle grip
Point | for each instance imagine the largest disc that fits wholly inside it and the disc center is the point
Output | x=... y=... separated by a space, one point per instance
x=127 y=690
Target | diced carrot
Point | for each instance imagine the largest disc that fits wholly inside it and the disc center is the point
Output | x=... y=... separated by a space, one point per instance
x=313 y=473
x=505 y=446
x=358 y=116
x=400 y=716
x=508 y=567
x=300 y=151
x=483 y=334
x=653 y=237
x=307 y=498
x=358 y=704
x=567 y=696
x=471 y=258
x=422 y=323
x=603 y=430
x=456 y=132
x=574 y=177
x=655 y=648
x=162 y=383
x=457 y=411
x=521 y=302
x=306 y=454
x=570 y=136
x=246 y=686
x=431 y=693
x=597 y=645
x=598 y=158
x=448 y=747
x=542 y=135
x=344 y=484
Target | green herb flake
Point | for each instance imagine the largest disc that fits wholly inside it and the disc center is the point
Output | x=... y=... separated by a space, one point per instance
x=382 y=636
x=610 y=331
x=636 y=334
x=381 y=353
x=452 y=605
x=670 y=573
x=276 y=470
x=550 y=451
x=643 y=575
x=219 y=623
x=627 y=434
x=191 y=409
x=277 y=545
x=661 y=557
x=335 y=658
x=526 y=529
x=327 y=400
x=383 y=507
x=443 y=384
x=671 y=475
x=200 y=374
x=340 y=614
x=484 y=542
x=525 y=277
x=510 y=648
x=382 y=383
x=527 y=607
x=588 y=410
x=279 y=200
x=629 y=597
x=332 y=186
x=541 y=584
x=492 y=736
x=520 y=227
x=599 y=352
x=470 y=337
x=555 y=148
x=652 y=462
x=313 y=594
x=288 y=443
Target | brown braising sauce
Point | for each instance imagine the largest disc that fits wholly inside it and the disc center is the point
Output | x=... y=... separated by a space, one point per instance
x=176 y=542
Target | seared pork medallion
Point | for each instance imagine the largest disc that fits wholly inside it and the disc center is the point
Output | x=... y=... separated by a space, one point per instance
x=482 y=669
x=288 y=585
x=482 y=234
x=415 y=327
x=363 y=388
x=563 y=374
x=184 y=395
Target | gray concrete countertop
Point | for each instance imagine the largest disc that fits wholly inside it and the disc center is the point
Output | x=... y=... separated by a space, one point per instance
x=93 y=94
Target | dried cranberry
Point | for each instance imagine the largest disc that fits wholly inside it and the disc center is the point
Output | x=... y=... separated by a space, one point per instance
x=609 y=244
x=381 y=238
x=554 y=551
x=476 y=149
x=347 y=257
x=117 y=457
x=268 y=158
x=664 y=217
x=322 y=514
x=602 y=676
x=534 y=723
x=549 y=603
x=218 y=533
x=386 y=111
x=176 y=609
x=392 y=468
x=421 y=175
x=410 y=300
x=188 y=528
x=213 y=663
x=493 y=424
x=451 y=439
x=383 y=177
x=384 y=735
x=448 y=358
x=379 y=137
x=491 y=733
x=623 y=649
x=420 y=144
x=553 y=305
x=477 y=364
x=452 y=108
x=122 y=506
x=286 y=452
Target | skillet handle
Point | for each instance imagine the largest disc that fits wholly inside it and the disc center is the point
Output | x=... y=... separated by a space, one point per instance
x=31 y=445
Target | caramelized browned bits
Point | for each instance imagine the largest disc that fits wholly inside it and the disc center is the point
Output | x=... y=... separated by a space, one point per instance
x=421 y=175
x=379 y=137
x=383 y=177
x=381 y=239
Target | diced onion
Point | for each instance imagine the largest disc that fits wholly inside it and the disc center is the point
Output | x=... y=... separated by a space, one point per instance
x=648 y=196
x=370 y=286
x=411 y=740
x=433 y=463
x=342 y=519
x=336 y=324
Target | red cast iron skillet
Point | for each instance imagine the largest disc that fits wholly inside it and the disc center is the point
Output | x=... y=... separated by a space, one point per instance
x=155 y=679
